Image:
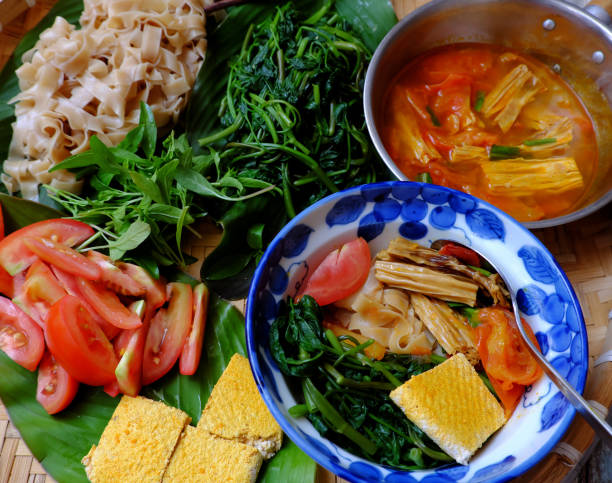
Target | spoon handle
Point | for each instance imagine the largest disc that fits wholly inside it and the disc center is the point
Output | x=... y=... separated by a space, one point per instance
x=603 y=429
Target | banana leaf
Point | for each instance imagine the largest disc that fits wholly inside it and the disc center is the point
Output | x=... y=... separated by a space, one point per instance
x=59 y=442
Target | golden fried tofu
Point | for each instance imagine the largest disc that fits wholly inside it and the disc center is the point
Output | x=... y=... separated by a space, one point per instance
x=451 y=404
x=236 y=411
x=137 y=442
x=203 y=458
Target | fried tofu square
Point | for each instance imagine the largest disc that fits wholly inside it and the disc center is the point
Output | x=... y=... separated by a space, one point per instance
x=236 y=411
x=451 y=404
x=203 y=458
x=137 y=442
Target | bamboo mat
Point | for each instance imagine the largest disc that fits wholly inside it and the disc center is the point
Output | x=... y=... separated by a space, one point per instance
x=583 y=249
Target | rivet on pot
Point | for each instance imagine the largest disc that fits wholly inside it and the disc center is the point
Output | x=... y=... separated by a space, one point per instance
x=598 y=57
x=549 y=24
x=556 y=68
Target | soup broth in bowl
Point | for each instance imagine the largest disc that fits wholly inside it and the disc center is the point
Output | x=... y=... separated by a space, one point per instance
x=495 y=123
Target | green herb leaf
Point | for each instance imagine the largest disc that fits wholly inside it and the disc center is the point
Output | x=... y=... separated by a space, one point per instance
x=137 y=233
x=149 y=138
x=147 y=186
x=255 y=236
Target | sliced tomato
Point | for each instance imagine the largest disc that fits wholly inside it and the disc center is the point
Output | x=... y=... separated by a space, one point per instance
x=464 y=254
x=56 y=388
x=39 y=292
x=69 y=283
x=131 y=344
x=112 y=389
x=108 y=305
x=341 y=273
x=15 y=256
x=114 y=278
x=155 y=290
x=1 y=224
x=504 y=355
x=20 y=337
x=167 y=333
x=63 y=257
x=192 y=350
x=6 y=283
x=78 y=343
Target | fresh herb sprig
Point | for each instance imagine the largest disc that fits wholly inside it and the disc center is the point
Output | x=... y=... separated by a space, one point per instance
x=134 y=196
x=346 y=394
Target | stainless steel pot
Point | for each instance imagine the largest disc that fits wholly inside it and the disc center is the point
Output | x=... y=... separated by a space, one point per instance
x=567 y=38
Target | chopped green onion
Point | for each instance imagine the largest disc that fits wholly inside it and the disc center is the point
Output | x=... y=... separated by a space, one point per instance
x=539 y=142
x=486 y=273
x=472 y=316
x=480 y=97
x=424 y=178
x=434 y=119
x=298 y=410
x=504 y=152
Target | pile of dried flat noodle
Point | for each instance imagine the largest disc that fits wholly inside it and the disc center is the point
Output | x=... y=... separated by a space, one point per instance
x=77 y=83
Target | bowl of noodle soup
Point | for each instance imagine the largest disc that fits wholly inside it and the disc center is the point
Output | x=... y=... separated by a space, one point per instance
x=424 y=213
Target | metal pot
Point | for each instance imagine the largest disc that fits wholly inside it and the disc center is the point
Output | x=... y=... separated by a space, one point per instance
x=570 y=40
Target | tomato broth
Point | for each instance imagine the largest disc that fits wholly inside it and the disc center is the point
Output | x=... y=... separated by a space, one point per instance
x=495 y=123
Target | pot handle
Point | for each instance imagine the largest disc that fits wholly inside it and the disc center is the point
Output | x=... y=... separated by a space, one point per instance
x=601 y=9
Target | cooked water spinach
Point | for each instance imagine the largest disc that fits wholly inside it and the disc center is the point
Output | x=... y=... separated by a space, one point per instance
x=346 y=394
x=292 y=112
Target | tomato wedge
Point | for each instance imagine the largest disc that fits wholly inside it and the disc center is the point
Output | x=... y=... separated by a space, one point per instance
x=39 y=292
x=63 y=257
x=504 y=355
x=131 y=344
x=341 y=273
x=78 y=343
x=15 y=256
x=155 y=290
x=20 y=337
x=6 y=283
x=463 y=254
x=108 y=305
x=56 y=388
x=167 y=333
x=114 y=278
x=69 y=283
x=192 y=350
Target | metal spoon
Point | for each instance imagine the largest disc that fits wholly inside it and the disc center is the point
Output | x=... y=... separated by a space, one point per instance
x=601 y=427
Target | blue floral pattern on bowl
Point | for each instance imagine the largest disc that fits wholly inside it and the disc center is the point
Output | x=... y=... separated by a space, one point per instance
x=425 y=213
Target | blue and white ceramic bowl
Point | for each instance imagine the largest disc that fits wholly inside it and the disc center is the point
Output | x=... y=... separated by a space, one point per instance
x=425 y=213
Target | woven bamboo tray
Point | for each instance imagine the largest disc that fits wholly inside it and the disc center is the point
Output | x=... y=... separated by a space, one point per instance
x=583 y=249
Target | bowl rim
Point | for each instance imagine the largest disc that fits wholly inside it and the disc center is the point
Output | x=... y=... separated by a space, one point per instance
x=576 y=13
x=314 y=453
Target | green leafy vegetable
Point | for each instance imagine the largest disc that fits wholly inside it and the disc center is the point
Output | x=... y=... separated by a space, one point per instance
x=346 y=394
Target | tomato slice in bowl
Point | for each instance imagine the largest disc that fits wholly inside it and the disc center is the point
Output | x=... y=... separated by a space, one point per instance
x=192 y=350
x=78 y=343
x=167 y=333
x=108 y=305
x=15 y=256
x=56 y=388
x=63 y=257
x=20 y=337
x=341 y=273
